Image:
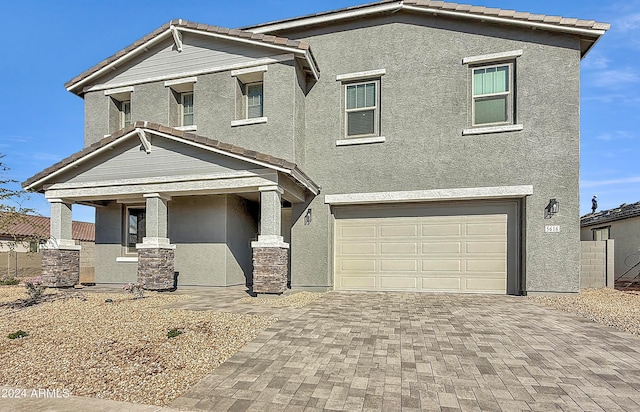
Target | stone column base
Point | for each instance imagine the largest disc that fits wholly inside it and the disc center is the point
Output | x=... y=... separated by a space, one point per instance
x=156 y=268
x=60 y=267
x=270 y=269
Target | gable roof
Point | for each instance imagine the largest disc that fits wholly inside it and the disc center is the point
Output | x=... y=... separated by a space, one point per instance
x=586 y=28
x=169 y=29
x=624 y=211
x=37 y=181
x=29 y=225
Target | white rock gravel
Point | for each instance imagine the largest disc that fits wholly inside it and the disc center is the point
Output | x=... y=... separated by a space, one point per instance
x=295 y=300
x=117 y=350
x=618 y=309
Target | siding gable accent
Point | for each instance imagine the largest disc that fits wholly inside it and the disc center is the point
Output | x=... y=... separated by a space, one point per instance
x=194 y=147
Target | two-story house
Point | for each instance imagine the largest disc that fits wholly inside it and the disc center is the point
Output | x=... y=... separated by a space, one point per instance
x=401 y=145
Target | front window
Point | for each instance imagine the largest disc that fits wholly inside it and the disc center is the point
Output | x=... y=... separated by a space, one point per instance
x=125 y=113
x=492 y=95
x=254 y=100
x=136 y=227
x=187 y=109
x=361 y=109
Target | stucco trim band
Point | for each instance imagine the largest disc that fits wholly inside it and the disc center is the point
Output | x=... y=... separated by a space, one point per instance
x=492 y=57
x=469 y=193
x=362 y=140
x=184 y=80
x=109 y=92
x=493 y=129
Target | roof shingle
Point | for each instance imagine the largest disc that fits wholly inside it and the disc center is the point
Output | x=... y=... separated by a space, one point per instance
x=29 y=225
x=624 y=211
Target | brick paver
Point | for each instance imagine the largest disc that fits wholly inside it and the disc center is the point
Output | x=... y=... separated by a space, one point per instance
x=422 y=352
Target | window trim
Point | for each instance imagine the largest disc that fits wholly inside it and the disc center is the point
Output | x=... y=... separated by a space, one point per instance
x=593 y=232
x=376 y=108
x=510 y=94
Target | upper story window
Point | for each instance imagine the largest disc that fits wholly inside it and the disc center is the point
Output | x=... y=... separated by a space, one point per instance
x=182 y=110
x=125 y=113
x=187 y=109
x=492 y=106
x=361 y=109
x=492 y=95
x=120 y=114
x=249 y=96
x=254 y=98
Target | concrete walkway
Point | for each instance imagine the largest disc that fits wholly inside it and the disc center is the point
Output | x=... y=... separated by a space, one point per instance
x=410 y=352
x=413 y=352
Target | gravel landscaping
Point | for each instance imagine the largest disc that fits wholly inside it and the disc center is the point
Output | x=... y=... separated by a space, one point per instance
x=115 y=350
x=296 y=300
x=618 y=309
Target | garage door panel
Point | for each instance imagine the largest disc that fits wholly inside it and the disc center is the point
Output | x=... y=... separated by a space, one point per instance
x=461 y=253
x=499 y=247
x=358 y=282
x=399 y=265
x=357 y=248
x=441 y=265
x=357 y=265
x=441 y=284
x=358 y=232
x=488 y=285
x=398 y=230
x=487 y=266
x=398 y=283
x=444 y=247
x=397 y=248
x=439 y=230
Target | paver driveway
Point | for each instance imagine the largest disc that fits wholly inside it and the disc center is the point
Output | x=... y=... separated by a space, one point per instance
x=403 y=351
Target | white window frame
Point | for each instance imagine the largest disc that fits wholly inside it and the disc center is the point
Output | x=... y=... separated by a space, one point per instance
x=182 y=111
x=246 y=100
x=127 y=248
x=376 y=109
x=510 y=94
x=123 y=113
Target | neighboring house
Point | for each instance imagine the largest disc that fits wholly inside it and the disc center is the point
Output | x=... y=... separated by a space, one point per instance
x=20 y=253
x=621 y=224
x=399 y=145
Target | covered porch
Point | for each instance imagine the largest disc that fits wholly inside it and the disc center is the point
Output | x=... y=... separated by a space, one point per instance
x=172 y=203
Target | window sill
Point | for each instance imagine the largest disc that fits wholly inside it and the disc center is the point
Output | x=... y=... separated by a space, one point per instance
x=191 y=128
x=493 y=129
x=245 y=122
x=127 y=259
x=361 y=140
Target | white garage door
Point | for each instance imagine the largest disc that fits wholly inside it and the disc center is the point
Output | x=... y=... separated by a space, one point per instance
x=463 y=254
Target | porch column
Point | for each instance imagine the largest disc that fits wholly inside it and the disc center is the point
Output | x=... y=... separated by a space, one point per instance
x=270 y=252
x=155 y=254
x=60 y=255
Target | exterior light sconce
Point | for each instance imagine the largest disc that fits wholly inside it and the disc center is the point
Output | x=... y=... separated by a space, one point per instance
x=552 y=208
x=307 y=217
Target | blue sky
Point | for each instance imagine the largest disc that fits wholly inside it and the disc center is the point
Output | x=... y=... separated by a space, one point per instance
x=46 y=43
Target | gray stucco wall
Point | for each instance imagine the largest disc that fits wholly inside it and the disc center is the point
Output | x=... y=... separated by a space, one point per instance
x=212 y=235
x=626 y=234
x=425 y=107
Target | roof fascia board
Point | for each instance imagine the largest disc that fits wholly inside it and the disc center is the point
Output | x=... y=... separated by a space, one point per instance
x=178 y=76
x=83 y=159
x=303 y=53
x=327 y=18
x=525 y=23
x=400 y=6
